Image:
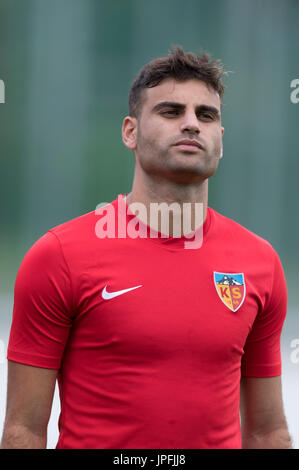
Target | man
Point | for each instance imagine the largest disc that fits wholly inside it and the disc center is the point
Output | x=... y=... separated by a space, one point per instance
x=154 y=345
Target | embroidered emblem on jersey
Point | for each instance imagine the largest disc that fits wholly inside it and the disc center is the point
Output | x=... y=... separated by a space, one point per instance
x=231 y=289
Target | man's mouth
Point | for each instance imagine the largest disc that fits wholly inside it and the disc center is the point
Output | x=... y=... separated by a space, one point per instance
x=189 y=144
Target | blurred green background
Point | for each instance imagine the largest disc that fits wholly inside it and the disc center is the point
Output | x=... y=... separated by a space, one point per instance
x=67 y=67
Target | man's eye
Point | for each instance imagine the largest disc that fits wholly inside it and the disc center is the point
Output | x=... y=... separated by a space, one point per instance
x=206 y=116
x=170 y=112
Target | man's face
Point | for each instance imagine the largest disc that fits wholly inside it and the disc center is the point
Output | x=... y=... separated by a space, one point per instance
x=173 y=112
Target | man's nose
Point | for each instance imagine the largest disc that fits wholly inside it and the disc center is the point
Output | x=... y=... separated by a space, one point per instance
x=190 y=123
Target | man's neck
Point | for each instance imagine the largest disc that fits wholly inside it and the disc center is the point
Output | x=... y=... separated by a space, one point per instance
x=179 y=208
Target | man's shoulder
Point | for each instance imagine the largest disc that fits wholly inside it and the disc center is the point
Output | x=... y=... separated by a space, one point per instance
x=230 y=230
x=83 y=225
x=70 y=234
x=75 y=226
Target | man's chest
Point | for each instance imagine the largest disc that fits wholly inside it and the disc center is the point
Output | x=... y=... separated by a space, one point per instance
x=162 y=305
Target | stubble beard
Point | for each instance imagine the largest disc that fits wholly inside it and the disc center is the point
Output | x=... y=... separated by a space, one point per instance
x=165 y=163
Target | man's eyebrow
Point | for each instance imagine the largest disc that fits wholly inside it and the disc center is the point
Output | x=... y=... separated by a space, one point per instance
x=173 y=104
x=207 y=108
x=168 y=104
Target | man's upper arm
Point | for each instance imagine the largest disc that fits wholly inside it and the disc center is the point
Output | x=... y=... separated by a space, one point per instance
x=261 y=405
x=262 y=351
x=42 y=311
x=41 y=323
x=30 y=393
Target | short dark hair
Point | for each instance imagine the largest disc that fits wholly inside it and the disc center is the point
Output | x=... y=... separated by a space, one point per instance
x=180 y=66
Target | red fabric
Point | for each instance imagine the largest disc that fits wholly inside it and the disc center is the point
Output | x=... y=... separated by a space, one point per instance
x=158 y=366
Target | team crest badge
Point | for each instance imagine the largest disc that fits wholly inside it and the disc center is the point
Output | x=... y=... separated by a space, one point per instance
x=231 y=289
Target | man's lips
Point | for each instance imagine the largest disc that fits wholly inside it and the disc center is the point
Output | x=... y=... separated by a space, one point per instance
x=188 y=144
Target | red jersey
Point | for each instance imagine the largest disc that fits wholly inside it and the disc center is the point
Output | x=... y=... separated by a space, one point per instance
x=150 y=339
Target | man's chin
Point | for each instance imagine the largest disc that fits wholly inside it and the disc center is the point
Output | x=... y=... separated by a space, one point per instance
x=181 y=168
x=183 y=174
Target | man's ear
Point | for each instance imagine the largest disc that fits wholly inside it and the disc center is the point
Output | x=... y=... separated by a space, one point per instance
x=129 y=132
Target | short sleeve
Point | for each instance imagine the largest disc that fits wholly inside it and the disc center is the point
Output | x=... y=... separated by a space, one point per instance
x=42 y=311
x=262 y=354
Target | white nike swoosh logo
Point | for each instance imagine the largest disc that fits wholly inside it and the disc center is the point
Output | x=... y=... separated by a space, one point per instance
x=109 y=295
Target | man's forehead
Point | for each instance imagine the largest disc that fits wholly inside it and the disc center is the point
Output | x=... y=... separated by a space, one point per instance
x=188 y=92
